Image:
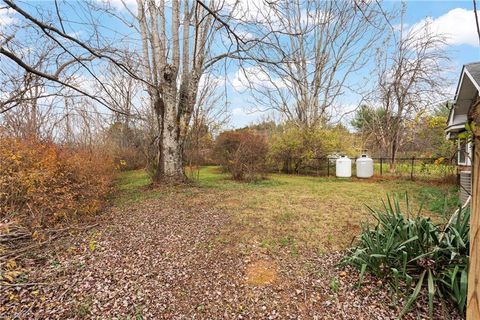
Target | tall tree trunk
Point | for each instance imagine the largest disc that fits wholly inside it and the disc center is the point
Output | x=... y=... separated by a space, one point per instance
x=172 y=158
x=173 y=74
x=172 y=153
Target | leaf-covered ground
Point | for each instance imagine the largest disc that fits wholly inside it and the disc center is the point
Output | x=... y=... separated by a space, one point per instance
x=214 y=250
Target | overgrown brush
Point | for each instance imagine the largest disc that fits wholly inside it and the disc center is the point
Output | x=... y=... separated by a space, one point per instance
x=242 y=153
x=42 y=184
x=413 y=253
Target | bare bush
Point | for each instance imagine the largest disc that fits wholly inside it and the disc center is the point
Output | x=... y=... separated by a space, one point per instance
x=242 y=154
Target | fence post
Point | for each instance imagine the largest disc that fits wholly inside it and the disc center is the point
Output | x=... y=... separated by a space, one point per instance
x=381 y=166
x=328 y=167
x=411 y=171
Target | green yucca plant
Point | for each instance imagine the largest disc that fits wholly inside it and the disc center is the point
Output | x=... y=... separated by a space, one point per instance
x=406 y=248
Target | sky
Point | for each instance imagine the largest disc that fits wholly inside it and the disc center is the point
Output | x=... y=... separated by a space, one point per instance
x=454 y=19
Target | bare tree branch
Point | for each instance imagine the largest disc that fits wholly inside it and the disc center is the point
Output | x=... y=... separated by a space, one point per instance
x=45 y=28
x=53 y=78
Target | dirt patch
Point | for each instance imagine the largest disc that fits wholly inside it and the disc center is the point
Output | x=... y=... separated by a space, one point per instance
x=261 y=272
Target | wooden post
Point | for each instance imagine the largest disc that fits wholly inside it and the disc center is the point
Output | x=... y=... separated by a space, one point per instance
x=473 y=299
x=381 y=166
x=328 y=167
x=411 y=170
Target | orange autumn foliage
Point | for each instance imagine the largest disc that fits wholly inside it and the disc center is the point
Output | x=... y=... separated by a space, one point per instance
x=43 y=184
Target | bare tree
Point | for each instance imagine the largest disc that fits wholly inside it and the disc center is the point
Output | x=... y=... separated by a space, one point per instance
x=68 y=54
x=313 y=50
x=210 y=114
x=369 y=123
x=27 y=107
x=411 y=78
x=124 y=91
x=175 y=80
x=176 y=42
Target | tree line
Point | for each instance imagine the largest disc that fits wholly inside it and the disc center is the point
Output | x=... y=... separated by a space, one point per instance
x=150 y=78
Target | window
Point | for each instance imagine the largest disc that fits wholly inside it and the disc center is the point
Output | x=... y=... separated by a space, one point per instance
x=464 y=152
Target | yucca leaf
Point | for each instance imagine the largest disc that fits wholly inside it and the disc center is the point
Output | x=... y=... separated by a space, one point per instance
x=431 y=293
x=408 y=280
x=396 y=202
x=408 y=241
x=420 y=256
x=414 y=295
x=459 y=237
x=453 y=276
x=463 y=289
x=420 y=208
x=404 y=258
x=398 y=243
x=362 y=272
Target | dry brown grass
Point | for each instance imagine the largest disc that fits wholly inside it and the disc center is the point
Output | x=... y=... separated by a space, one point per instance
x=294 y=213
x=299 y=212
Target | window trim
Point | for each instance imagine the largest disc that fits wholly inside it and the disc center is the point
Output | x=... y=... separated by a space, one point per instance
x=468 y=153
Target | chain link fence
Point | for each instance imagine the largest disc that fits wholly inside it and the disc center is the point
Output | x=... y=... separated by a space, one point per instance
x=405 y=167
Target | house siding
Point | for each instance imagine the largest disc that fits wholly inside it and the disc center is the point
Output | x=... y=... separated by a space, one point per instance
x=465 y=185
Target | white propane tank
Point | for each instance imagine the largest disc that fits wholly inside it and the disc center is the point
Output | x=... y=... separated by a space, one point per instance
x=343 y=167
x=364 y=167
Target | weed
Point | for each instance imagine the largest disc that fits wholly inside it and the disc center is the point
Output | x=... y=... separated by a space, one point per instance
x=287 y=241
x=334 y=285
x=83 y=309
x=268 y=244
x=440 y=201
x=138 y=312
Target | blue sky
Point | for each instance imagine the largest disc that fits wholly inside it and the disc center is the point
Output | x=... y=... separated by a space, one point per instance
x=453 y=17
x=444 y=11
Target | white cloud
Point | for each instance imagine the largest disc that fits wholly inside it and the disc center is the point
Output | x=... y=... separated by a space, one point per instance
x=245 y=35
x=457 y=25
x=247 y=10
x=242 y=116
x=253 y=77
x=7 y=17
x=238 y=112
x=210 y=81
x=239 y=81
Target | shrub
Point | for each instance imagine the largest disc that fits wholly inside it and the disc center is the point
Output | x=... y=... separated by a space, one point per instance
x=242 y=154
x=293 y=149
x=42 y=184
x=130 y=158
x=406 y=250
x=124 y=142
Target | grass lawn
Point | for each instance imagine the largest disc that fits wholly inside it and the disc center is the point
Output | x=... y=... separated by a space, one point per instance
x=292 y=212
x=219 y=249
